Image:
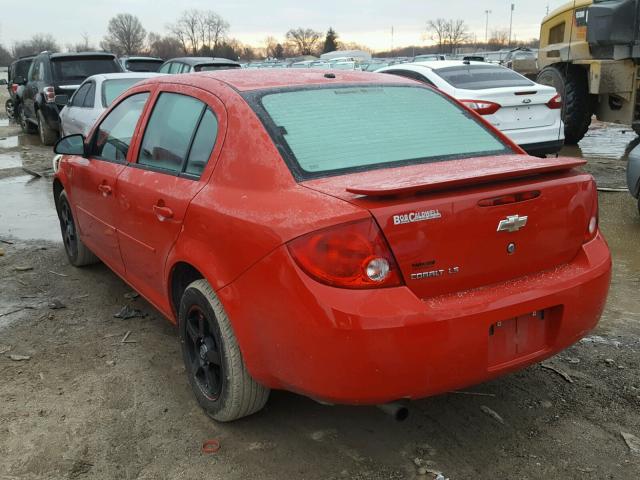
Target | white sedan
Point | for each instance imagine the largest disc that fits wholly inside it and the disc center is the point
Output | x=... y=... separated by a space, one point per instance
x=93 y=97
x=527 y=112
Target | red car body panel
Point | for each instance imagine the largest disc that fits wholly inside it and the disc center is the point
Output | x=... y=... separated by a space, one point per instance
x=357 y=346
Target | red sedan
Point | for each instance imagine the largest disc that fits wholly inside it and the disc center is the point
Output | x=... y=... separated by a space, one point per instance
x=353 y=237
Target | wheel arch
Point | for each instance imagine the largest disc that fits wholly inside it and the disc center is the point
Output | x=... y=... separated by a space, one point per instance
x=58 y=188
x=181 y=275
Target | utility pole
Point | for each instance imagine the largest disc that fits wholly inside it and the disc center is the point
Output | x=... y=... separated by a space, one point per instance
x=486 y=30
x=513 y=7
x=392 y=39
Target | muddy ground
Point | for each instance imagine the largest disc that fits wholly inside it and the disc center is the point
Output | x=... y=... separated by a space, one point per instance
x=83 y=404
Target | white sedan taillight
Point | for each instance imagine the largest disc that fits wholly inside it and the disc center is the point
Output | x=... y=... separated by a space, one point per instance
x=482 y=107
x=555 y=103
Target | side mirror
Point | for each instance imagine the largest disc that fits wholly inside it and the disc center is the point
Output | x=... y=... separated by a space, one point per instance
x=20 y=80
x=62 y=100
x=70 y=145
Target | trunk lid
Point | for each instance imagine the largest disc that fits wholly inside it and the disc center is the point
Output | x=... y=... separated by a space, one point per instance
x=521 y=107
x=442 y=225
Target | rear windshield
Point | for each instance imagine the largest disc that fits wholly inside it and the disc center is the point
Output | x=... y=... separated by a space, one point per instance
x=333 y=130
x=479 y=77
x=214 y=66
x=111 y=89
x=143 y=65
x=77 y=69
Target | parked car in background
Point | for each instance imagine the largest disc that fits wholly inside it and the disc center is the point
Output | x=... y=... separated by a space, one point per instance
x=429 y=58
x=353 y=237
x=92 y=98
x=53 y=74
x=633 y=174
x=524 y=61
x=197 y=64
x=16 y=80
x=528 y=113
x=140 y=64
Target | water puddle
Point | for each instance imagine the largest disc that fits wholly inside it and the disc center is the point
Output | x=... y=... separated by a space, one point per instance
x=28 y=211
x=10 y=160
x=16 y=141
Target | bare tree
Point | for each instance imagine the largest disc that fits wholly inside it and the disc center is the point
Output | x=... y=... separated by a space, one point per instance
x=5 y=57
x=303 y=40
x=84 y=45
x=499 y=38
x=164 y=47
x=439 y=30
x=188 y=30
x=125 y=35
x=214 y=29
x=270 y=45
x=449 y=34
x=38 y=43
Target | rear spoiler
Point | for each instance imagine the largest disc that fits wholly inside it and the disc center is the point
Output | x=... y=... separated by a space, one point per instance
x=462 y=173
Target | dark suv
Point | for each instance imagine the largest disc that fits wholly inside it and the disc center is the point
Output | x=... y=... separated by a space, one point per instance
x=53 y=74
x=17 y=77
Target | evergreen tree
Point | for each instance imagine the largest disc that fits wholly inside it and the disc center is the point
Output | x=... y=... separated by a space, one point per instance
x=330 y=41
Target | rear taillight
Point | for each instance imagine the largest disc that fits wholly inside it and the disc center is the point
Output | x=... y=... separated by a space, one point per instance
x=14 y=87
x=482 y=107
x=353 y=255
x=49 y=94
x=594 y=217
x=555 y=103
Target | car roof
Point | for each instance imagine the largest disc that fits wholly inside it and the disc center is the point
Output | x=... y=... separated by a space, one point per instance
x=203 y=60
x=157 y=59
x=244 y=80
x=116 y=76
x=437 y=65
x=80 y=54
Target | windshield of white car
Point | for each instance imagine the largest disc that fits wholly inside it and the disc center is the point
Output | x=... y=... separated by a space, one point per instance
x=334 y=130
x=481 y=77
x=111 y=89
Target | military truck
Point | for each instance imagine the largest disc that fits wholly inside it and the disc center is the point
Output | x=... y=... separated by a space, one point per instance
x=590 y=51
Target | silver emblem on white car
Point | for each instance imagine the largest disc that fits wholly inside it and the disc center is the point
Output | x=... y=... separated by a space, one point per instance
x=512 y=223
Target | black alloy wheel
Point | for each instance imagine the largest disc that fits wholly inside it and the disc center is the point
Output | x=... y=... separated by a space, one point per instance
x=203 y=351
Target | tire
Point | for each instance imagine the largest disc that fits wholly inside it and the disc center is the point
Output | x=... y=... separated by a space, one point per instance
x=48 y=136
x=9 y=107
x=77 y=252
x=571 y=82
x=26 y=125
x=636 y=127
x=213 y=361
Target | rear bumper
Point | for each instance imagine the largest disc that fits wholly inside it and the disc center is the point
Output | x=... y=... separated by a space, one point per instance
x=371 y=347
x=543 y=148
x=539 y=141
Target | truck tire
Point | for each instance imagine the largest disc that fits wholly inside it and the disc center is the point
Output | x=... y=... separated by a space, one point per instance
x=9 y=107
x=48 y=136
x=571 y=83
x=213 y=361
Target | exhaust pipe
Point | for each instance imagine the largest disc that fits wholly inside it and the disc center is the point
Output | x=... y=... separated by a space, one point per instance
x=397 y=410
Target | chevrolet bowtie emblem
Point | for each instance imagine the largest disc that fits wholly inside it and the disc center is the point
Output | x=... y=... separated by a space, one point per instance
x=512 y=223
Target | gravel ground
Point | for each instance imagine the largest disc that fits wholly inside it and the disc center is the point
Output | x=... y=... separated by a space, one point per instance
x=77 y=402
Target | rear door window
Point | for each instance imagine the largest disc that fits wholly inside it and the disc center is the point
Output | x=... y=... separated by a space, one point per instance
x=480 y=77
x=324 y=131
x=170 y=131
x=113 y=136
x=89 y=100
x=80 y=95
x=203 y=144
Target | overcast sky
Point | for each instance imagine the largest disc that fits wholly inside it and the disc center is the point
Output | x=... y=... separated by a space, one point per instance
x=364 y=21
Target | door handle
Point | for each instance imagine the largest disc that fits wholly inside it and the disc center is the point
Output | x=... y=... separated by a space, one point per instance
x=104 y=189
x=163 y=213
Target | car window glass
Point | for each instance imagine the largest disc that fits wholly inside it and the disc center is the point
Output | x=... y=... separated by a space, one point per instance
x=89 y=100
x=165 y=68
x=480 y=77
x=203 y=144
x=113 y=137
x=41 y=68
x=169 y=131
x=364 y=127
x=112 y=89
x=185 y=68
x=33 y=71
x=175 y=67
x=78 y=98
